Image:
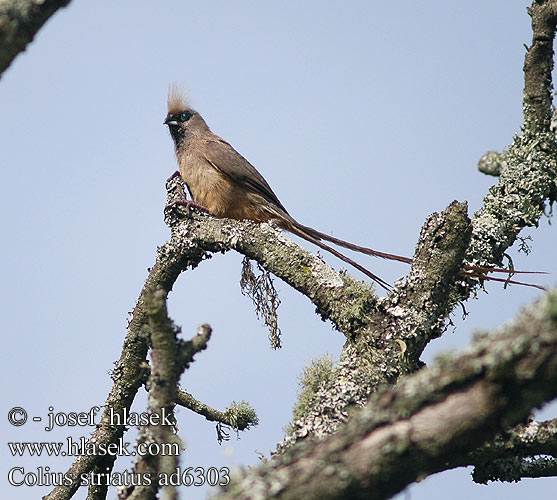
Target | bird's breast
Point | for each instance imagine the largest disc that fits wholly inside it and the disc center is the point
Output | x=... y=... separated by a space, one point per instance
x=221 y=195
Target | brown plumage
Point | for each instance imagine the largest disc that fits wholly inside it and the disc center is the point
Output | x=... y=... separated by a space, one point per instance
x=227 y=185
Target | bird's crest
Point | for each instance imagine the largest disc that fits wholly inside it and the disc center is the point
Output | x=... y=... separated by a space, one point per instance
x=177 y=99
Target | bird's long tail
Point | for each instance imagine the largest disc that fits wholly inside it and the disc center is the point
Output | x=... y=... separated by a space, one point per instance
x=306 y=235
x=315 y=237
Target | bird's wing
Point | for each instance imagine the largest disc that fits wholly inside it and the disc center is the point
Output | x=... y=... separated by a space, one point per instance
x=224 y=158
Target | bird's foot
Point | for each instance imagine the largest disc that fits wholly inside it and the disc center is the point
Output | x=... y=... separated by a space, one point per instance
x=174 y=175
x=189 y=204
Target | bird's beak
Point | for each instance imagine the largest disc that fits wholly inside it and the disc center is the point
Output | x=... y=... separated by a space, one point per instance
x=170 y=120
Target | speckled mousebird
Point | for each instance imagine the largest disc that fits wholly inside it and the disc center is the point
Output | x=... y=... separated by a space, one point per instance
x=224 y=183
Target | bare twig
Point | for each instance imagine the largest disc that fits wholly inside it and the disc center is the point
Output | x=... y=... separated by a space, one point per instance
x=189 y=348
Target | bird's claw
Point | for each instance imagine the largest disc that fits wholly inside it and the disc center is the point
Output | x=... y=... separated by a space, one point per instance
x=189 y=204
x=173 y=176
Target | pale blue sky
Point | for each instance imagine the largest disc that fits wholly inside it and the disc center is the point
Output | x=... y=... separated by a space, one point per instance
x=365 y=117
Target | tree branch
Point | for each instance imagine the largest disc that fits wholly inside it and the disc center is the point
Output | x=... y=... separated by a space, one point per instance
x=129 y=373
x=538 y=66
x=530 y=177
x=518 y=200
x=512 y=470
x=412 y=430
x=525 y=440
x=186 y=350
x=239 y=416
x=385 y=335
x=328 y=290
x=19 y=22
x=403 y=322
x=167 y=366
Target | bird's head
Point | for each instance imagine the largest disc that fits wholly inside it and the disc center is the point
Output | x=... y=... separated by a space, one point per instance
x=182 y=121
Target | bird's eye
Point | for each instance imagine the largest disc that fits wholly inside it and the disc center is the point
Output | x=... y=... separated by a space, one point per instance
x=185 y=116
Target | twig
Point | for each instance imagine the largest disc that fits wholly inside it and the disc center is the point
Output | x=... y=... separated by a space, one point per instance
x=239 y=416
x=512 y=470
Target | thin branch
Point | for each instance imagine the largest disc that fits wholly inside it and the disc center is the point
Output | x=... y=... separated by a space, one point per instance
x=512 y=470
x=239 y=416
x=162 y=383
x=538 y=66
x=189 y=348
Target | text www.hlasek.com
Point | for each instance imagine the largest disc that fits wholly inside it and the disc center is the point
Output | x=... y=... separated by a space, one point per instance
x=85 y=447
x=43 y=476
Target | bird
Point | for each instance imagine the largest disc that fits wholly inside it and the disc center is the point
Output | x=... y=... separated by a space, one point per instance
x=224 y=184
